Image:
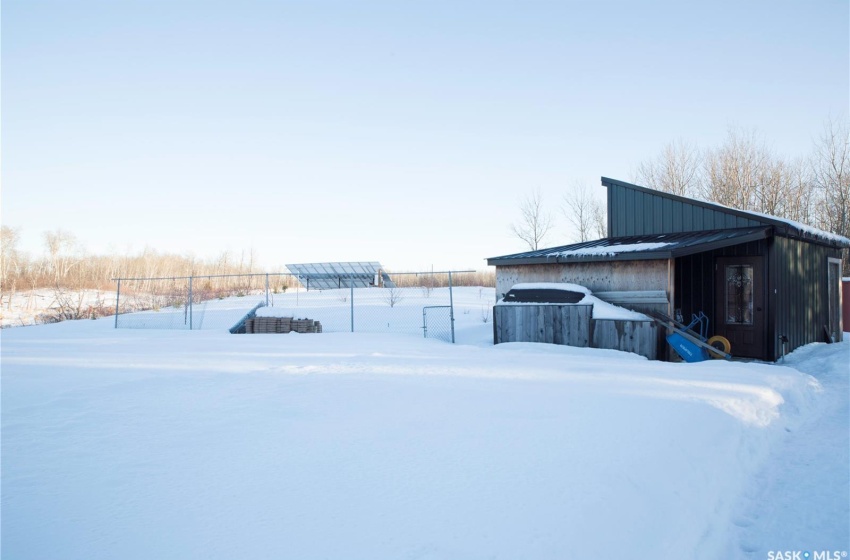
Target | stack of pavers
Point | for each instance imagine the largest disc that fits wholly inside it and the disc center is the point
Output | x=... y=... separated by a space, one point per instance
x=306 y=326
x=281 y=325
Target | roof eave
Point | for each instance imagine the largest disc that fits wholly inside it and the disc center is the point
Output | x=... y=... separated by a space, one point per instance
x=641 y=256
x=794 y=233
x=758 y=235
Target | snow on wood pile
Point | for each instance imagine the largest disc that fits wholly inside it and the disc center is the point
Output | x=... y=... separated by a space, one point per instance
x=281 y=325
x=601 y=309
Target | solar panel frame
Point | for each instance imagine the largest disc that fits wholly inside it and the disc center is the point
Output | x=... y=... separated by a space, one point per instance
x=337 y=275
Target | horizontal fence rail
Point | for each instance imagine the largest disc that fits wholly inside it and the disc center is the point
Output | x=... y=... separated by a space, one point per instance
x=418 y=303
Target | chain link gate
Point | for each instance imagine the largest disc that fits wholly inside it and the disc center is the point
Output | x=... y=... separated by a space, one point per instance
x=437 y=322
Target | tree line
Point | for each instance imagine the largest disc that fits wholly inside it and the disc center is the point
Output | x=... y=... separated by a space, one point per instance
x=66 y=270
x=66 y=267
x=743 y=172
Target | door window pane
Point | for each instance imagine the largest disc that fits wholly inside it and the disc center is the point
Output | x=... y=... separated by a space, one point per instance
x=739 y=294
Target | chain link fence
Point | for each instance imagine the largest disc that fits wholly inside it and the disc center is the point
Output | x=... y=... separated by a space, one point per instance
x=418 y=303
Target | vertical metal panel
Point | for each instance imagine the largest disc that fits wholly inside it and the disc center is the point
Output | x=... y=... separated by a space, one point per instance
x=716 y=219
x=698 y=219
x=707 y=219
x=658 y=212
x=621 y=212
x=632 y=217
x=648 y=214
x=771 y=274
x=731 y=221
x=615 y=210
x=688 y=211
x=677 y=217
x=636 y=212
x=667 y=216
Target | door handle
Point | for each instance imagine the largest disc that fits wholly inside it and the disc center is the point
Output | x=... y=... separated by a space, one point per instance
x=758 y=308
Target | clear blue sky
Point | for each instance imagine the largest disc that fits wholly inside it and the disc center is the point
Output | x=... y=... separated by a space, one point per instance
x=396 y=131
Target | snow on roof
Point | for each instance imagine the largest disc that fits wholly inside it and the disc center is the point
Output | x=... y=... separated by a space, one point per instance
x=803 y=228
x=812 y=231
x=609 y=250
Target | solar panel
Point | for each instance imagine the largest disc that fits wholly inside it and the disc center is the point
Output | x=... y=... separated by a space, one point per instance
x=335 y=275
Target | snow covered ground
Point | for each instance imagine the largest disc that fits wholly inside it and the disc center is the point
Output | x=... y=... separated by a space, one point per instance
x=176 y=444
x=31 y=307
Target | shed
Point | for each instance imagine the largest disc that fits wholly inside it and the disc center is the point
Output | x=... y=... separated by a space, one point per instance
x=767 y=284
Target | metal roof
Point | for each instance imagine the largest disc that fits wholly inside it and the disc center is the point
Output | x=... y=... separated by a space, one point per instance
x=637 y=247
x=334 y=275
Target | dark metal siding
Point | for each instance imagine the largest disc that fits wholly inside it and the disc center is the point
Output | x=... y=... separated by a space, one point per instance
x=634 y=212
x=694 y=279
x=798 y=292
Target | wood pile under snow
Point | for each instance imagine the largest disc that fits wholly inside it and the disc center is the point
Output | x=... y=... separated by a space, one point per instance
x=281 y=325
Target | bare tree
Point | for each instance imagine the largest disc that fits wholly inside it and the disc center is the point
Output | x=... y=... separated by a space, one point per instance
x=393 y=296
x=676 y=170
x=9 y=262
x=783 y=188
x=600 y=221
x=535 y=221
x=734 y=171
x=831 y=176
x=799 y=197
x=584 y=212
x=63 y=253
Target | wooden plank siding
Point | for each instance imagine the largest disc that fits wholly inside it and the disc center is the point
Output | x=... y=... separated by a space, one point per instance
x=596 y=276
x=573 y=325
x=554 y=324
x=639 y=337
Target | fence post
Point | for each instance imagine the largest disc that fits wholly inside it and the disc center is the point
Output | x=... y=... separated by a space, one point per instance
x=117 y=301
x=190 y=302
x=451 y=307
x=351 y=286
x=267 y=289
